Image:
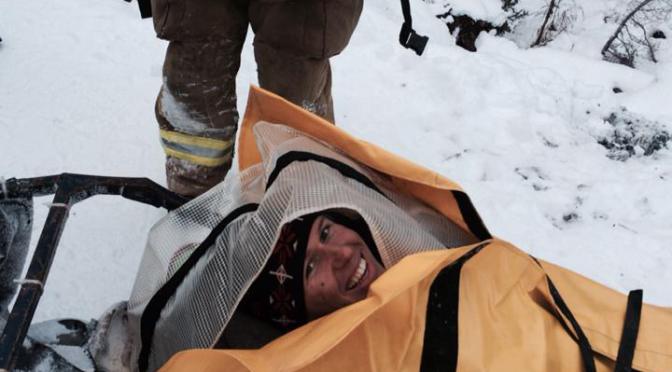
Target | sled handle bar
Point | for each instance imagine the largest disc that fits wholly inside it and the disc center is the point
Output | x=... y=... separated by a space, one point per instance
x=68 y=189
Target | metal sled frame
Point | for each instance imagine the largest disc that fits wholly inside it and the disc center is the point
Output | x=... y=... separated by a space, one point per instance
x=68 y=189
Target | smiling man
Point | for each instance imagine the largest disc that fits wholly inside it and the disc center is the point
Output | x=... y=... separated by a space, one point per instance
x=320 y=263
x=339 y=266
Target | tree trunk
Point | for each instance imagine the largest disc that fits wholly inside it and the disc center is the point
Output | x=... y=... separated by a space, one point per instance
x=549 y=13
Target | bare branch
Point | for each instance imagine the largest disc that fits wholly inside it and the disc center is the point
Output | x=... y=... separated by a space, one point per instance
x=549 y=14
x=646 y=42
x=607 y=45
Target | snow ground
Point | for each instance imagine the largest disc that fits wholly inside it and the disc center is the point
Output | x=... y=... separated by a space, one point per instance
x=515 y=127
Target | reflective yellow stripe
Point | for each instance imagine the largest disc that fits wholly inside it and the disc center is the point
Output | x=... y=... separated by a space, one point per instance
x=199 y=160
x=186 y=139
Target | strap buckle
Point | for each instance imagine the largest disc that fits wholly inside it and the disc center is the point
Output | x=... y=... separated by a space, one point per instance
x=410 y=39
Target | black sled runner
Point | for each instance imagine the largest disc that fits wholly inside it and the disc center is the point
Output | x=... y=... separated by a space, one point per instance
x=16 y=217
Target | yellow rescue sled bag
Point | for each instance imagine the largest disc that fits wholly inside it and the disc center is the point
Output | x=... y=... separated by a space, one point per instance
x=484 y=307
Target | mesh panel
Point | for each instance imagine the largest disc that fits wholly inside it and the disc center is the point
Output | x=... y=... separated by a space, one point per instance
x=187 y=226
x=204 y=302
x=184 y=229
x=283 y=139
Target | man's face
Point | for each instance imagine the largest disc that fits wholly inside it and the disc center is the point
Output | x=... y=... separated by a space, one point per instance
x=338 y=269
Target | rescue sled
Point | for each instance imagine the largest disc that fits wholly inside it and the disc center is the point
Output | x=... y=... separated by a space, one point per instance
x=15 y=227
x=453 y=298
x=482 y=306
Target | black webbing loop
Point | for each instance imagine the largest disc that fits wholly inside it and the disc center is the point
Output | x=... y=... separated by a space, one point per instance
x=470 y=216
x=626 y=351
x=440 y=345
x=582 y=340
x=408 y=38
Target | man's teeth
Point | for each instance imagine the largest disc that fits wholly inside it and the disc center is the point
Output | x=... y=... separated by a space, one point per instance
x=358 y=275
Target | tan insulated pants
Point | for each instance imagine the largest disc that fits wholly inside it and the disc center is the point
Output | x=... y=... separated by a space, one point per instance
x=196 y=107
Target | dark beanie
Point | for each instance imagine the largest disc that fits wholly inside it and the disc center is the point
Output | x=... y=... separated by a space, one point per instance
x=276 y=295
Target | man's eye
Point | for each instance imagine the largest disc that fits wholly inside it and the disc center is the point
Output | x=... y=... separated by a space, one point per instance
x=324 y=234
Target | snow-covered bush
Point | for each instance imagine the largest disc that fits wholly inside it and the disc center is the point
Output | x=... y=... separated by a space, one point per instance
x=559 y=16
x=542 y=21
x=467 y=19
x=526 y=22
x=632 y=135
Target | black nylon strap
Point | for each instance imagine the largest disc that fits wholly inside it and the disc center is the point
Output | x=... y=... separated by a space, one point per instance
x=626 y=351
x=582 y=340
x=344 y=169
x=408 y=38
x=470 y=216
x=440 y=343
x=145 y=8
x=406 y=11
x=152 y=311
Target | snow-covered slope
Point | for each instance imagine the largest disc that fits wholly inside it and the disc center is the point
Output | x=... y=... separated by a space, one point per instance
x=517 y=128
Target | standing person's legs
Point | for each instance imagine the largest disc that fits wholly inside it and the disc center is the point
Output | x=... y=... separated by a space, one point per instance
x=301 y=80
x=293 y=43
x=196 y=107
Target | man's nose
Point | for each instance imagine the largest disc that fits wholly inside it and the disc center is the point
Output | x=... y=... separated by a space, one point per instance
x=340 y=256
